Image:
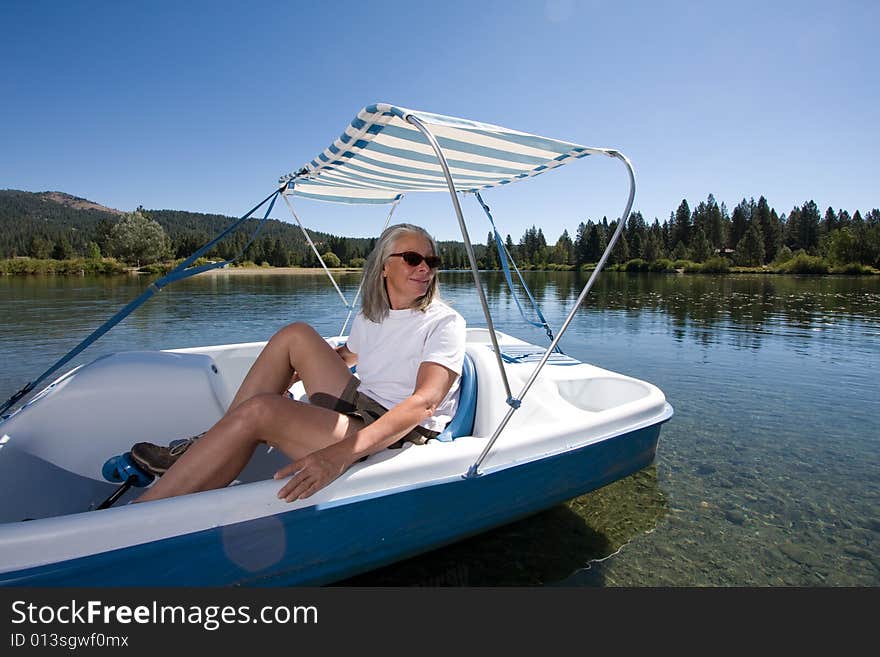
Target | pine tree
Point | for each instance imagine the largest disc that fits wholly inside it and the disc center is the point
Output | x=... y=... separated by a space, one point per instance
x=714 y=224
x=750 y=249
x=620 y=252
x=700 y=247
x=636 y=233
x=742 y=214
x=829 y=223
x=809 y=227
x=563 y=250
x=39 y=247
x=280 y=257
x=63 y=250
x=490 y=258
x=770 y=228
x=680 y=231
x=595 y=244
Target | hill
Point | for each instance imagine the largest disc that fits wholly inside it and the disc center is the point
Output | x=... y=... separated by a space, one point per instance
x=43 y=221
x=59 y=225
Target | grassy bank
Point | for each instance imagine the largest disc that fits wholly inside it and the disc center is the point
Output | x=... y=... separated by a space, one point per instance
x=73 y=267
x=799 y=264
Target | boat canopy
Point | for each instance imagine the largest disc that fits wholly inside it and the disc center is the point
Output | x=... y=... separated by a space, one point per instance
x=387 y=151
x=382 y=155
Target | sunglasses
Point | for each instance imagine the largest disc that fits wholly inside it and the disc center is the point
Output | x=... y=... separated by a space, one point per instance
x=414 y=259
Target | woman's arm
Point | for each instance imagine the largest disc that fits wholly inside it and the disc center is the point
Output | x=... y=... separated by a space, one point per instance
x=318 y=469
x=348 y=357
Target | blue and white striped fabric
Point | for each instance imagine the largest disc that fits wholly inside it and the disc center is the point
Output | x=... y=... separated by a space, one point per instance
x=381 y=156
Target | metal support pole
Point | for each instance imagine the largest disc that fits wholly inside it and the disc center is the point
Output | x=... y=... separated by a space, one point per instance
x=361 y=284
x=315 y=249
x=474 y=469
x=468 y=247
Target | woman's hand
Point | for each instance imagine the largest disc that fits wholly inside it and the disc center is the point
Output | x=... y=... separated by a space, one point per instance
x=310 y=474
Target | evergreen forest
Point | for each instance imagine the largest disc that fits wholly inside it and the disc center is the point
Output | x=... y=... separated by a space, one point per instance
x=54 y=226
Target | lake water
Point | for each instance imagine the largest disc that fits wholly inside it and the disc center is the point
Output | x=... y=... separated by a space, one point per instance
x=767 y=475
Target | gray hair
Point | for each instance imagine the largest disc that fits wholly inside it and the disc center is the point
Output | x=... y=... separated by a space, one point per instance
x=375 y=303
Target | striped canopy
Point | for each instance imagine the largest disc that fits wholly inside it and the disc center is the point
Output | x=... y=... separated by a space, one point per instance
x=381 y=156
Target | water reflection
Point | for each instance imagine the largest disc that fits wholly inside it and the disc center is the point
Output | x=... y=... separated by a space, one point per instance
x=741 y=310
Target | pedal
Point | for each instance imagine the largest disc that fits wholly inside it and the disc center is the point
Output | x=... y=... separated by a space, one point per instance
x=122 y=470
x=118 y=469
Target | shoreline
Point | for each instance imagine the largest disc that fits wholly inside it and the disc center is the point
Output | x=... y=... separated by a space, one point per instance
x=274 y=271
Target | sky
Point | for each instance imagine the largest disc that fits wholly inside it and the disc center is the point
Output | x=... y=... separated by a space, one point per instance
x=201 y=106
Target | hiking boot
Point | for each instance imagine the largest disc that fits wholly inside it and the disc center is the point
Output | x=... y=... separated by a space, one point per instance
x=156 y=459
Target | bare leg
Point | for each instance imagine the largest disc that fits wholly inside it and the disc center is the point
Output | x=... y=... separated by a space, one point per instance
x=216 y=459
x=259 y=413
x=295 y=347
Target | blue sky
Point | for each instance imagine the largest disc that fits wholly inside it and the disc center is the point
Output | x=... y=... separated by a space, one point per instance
x=202 y=105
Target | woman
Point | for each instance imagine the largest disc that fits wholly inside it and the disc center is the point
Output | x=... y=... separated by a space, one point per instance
x=409 y=348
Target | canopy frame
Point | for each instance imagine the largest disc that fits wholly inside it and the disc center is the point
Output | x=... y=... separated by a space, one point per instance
x=312 y=171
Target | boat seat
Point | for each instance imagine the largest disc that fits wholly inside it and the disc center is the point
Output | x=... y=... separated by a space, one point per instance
x=462 y=423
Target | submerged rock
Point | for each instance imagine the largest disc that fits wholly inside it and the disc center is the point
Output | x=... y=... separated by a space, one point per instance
x=800 y=554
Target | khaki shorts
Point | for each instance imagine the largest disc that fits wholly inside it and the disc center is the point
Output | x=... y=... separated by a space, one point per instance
x=356 y=404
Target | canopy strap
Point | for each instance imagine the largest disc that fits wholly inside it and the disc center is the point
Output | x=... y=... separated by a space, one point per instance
x=361 y=284
x=178 y=273
x=315 y=249
x=505 y=256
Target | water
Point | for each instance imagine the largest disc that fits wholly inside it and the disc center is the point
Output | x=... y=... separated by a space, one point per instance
x=767 y=475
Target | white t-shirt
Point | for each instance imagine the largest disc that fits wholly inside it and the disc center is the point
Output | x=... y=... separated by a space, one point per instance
x=390 y=352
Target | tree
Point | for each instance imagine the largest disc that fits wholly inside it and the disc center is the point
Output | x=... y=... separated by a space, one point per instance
x=829 y=223
x=653 y=249
x=700 y=247
x=714 y=224
x=93 y=251
x=680 y=231
x=750 y=249
x=331 y=259
x=136 y=239
x=636 y=233
x=595 y=244
x=620 y=252
x=742 y=215
x=511 y=248
x=842 y=247
x=771 y=230
x=490 y=258
x=792 y=231
x=563 y=252
x=808 y=233
x=280 y=256
x=580 y=245
x=62 y=249
x=39 y=247
x=680 y=251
